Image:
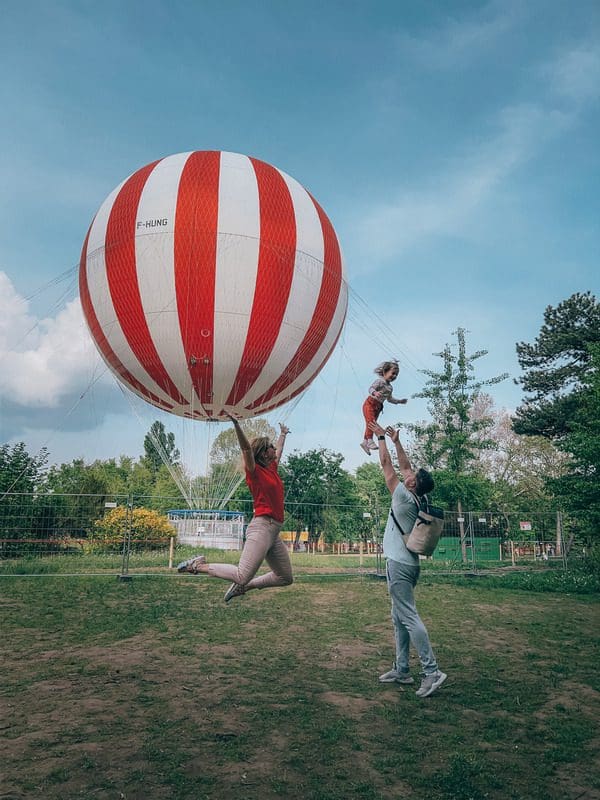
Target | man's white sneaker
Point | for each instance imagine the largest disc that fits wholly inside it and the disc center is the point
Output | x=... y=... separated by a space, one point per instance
x=393 y=676
x=431 y=683
x=191 y=564
x=235 y=590
x=365 y=447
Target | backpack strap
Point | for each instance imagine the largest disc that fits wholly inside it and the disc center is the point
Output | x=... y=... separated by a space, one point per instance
x=416 y=499
x=397 y=524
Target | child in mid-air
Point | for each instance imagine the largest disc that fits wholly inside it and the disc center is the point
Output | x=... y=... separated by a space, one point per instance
x=379 y=391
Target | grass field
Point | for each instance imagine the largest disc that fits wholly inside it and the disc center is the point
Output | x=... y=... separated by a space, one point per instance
x=154 y=688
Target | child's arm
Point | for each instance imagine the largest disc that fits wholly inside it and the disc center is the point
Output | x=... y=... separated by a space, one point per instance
x=396 y=402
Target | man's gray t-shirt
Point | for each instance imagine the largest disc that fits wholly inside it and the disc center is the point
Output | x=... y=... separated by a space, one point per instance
x=405 y=511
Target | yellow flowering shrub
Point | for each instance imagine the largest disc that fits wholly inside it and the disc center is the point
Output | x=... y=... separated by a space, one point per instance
x=149 y=530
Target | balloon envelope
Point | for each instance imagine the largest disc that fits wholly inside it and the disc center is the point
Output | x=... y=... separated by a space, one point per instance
x=212 y=282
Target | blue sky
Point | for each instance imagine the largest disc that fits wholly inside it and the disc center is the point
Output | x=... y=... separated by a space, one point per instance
x=454 y=146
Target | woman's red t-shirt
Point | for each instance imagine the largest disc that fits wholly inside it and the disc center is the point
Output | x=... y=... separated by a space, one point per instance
x=267 y=491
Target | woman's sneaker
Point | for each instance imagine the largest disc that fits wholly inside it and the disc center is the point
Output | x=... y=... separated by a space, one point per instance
x=393 y=676
x=235 y=590
x=431 y=683
x=191 y=565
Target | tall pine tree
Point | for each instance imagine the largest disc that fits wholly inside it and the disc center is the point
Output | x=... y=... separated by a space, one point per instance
x=159 y=448
x=555 y=367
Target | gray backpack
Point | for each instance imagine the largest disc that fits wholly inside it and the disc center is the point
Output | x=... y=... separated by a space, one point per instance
x=425 y=534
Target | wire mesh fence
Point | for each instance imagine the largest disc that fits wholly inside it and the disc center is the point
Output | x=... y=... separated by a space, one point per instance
x=82 y=533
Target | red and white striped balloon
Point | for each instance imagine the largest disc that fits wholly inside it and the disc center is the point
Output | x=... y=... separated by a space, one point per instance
x=213 y=282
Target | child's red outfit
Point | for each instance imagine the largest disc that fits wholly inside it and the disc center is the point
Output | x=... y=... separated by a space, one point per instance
x=372 y=408
x=379 y=391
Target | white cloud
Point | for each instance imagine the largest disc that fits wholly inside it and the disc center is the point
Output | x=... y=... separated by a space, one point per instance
x=575 y=74
x=42 y=361
x=447 y=204
x=461 y=40
x=450 y=202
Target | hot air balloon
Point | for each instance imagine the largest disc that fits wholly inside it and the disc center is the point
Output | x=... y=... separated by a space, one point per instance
x=213 y=283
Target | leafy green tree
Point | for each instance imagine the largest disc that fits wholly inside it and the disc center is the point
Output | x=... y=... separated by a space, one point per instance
x=125 y=476
x=78 y=478
x=519 y=466
x=24 y=514
x=556 y=367
x=320 y=496
x=577 y=491
x=454 y=437
x=473 y=491
x=561 y=376
x=226 y=449
x=165 y=492
x=19 y=471
x=373 y=493
x=79 y=491
x=159 y=448
x=140 y=481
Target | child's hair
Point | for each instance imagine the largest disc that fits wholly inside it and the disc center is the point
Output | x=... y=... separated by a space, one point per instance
x=382 y=368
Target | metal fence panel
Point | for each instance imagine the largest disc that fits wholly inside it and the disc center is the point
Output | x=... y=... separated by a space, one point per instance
x=87 y=533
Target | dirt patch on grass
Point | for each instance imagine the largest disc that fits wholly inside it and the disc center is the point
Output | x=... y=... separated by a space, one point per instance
x=254 y=703
x=342 y=654
x=350 y=705
x=572 y=696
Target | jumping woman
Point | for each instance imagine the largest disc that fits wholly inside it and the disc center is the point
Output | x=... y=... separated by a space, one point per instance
x=261 y=459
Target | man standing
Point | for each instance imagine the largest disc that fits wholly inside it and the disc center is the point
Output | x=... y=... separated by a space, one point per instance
x=402 y=566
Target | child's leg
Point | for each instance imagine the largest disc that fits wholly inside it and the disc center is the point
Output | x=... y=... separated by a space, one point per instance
x=371 y=411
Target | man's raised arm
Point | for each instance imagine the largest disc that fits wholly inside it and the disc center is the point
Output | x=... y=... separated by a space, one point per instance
x=410 y=480
x=389 y=473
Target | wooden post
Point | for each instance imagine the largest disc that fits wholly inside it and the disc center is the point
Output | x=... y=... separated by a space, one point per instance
x=171 y=551
x=512 y=552
x=360 y=553
x=461 y=528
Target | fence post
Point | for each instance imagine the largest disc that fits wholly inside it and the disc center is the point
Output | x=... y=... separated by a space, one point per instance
x=125 y=576
x=461 y=528
x=171 y=551
x=472 y=541
x=560 y=540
